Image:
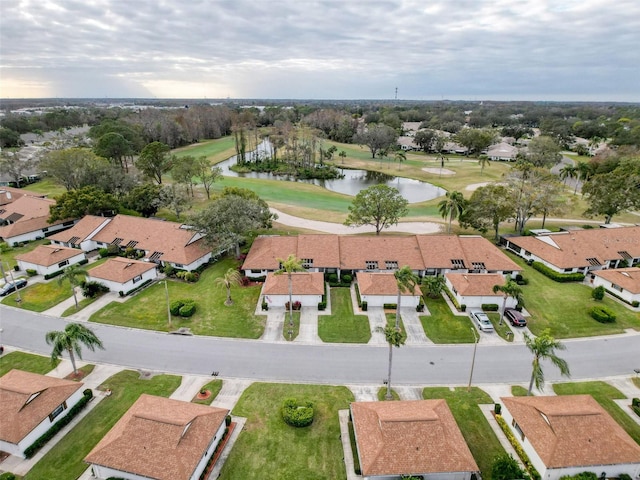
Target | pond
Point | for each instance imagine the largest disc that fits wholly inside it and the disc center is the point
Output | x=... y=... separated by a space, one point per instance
x=414 y=191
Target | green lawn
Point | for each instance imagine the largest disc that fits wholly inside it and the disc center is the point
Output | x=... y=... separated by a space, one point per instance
x=216 y=150
x=563 y=307
x=65 y=459
x=148 y=309
x=382 y=393
x=9 y=256
x=442 y=326
x=27 y=362
x=518 y=391
x=477 y=432
x=503 y=330
x=343 y=326
x=40 y=296
x=295 y=330
x=604 y=394
x=81 y=304
x=270 y=449
x=214 y=387
x=46 y=186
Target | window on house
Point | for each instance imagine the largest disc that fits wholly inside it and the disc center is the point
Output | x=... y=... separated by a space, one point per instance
x=45 y=229
x=457 y=263
x=63 y=263
x=568 y=270
x=59 y=409
x=616 y=287
x=66 y=224
x=137 y=279
x=527 y=253
x=178 y=265
x=594 y=262
x=256 y=271
x=307 y=262
x=518 y=429
x=430 y=271
x=478 y=266
x=391 y=264
x=371 y=264
x=32 y=397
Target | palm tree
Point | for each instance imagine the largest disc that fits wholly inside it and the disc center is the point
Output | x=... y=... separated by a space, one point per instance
x=288 y=266
x=70 y=340
x=342 y=155
x=395 y=338
x=483 y=161
x=406 y=281
x=400 y=157
x=230 y=278
x=452 y=206
x=571 y=172
x=543 y=347
x=585 y=171
x=509 y=289
x=71 y=273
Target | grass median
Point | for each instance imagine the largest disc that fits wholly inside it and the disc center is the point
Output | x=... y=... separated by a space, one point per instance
x=27 y=362
x=442 y=326
x=40 y=296
x=343 y=326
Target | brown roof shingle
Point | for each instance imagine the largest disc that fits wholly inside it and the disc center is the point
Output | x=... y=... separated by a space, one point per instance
x=438 y=251
x=120 y=269
x=572 y=431
x=159 y=438
x=381 y=283
x=47 y=255
x=476 y=284
x=355 y=252
x=19 y=416
x=80 y=230
x=404 y=437
x=302 y=283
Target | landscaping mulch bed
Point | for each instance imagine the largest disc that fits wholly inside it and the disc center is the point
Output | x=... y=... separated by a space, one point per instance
x=219 y=450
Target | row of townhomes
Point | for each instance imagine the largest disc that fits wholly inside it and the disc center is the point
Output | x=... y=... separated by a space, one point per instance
x=604 y=254
x=167 y=439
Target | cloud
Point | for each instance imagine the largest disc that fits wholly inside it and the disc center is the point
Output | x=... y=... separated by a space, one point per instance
x=534 y=49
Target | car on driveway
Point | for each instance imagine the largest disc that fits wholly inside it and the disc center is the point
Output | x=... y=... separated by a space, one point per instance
x=12 y=286
x=482 y=321
x=515 y=317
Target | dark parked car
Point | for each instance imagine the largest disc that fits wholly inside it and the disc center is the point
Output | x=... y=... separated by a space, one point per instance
x=515 y=317
x=12 y=287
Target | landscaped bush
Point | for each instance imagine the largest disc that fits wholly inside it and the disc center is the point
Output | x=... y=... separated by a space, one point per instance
x=265 y=305
x=602 y=314
x=390 y=306
x=110 y=251
x=190 y=277
x=558 y=277
x=322 y=306
x=7 y=476
x=364 y=306
x=635 y=406
x=358 y=298
x=139 y=287
x=624 y=476
x=296 y=414
x=31 y=272
x=169 y=271
x=453 y=299
x=517 y=447
x=420 y=306
x=497 y=409
x=188 y=309
x=93 y=289
x=346 y=278
x=333 y=278
x=598 y=293
x=296 y=305
x=31 y=450
x=176 y=305
x=635 y=304
x=490 y=307
x=581 y=476
x=52 y=275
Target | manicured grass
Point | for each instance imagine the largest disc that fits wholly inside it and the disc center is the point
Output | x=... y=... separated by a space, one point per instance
x=442 y=326
x=46 y=186
x=83 y=371
x=9 y=256
x=295 y=330
x=270 y=449
x=518 y=391
x=65 y=459
x=477 y=432
x=563 y=307
x=148 y=309
x=342 y=326
x=81 y=304
x=636 y=381
x=40 y=296
x=214 y=387
x=216 y=150
x=382 y=393
x=503 y=329
x=27 y=362
x=604 y=394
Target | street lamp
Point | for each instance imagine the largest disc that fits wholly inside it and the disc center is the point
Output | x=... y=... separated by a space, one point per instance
x=473 y=361
x=166 y=291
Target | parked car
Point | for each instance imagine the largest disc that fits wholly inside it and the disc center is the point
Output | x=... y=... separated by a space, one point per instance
x=482 y=320
x=12 y=286
x=515 y=317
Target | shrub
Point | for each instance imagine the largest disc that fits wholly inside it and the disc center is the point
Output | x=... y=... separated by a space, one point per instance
x=139 y=287
x=555 y=276
x=390 y=306
x=7 y=476
x=333 y=278
x=346 y=278
x=188 y=309
x=93 y=289
x=297 y=415
x=463 y=308
x=364 y=306
x=296 y=305
x=227 y=420
x=635 y=402
x=265 y=305
x=497 y=409
x=4 y=247
x=175 y=306
x=624 y=476
x=635 y=304
x=602 y=314
x=322 y=306
x=598 y=293
x=490 y=307
x=420 y=307
x=518 y=448
x=505 y=467
x=52 y=275
x=31 y=272
x=169 y=271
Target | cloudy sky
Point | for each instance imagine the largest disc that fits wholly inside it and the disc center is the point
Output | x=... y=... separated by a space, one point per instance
x=331 y=49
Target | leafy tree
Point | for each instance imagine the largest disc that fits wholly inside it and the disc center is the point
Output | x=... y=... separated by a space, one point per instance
x=509 y=289
x=611 y=193
x=551 y=201
x=15 y=167
x=488 y=207
x=185 y=170
x=505 y=467
x=476 y=139
x=74 y=167
x=71 y=274
x=9 y=138
x=71 y=340
x=528 y=190
x=435 y=285
x=377 y=137
x=230 y=278
x=544 y=347
x=207 y=174
x=379 y=205
x=228 y=220
x=453 y=206
x=115 y=147
x=175 y=197
x=406 y=281
x=543 y=152
x=426 y=139
x=81 y=202
x=395 y=337
x=289 y=266
x=144 y=198
x=154 y=161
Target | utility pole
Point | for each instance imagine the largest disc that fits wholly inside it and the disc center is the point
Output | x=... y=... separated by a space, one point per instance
x=396 y=93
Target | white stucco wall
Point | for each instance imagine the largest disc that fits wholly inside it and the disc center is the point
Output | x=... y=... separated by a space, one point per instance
x=125 y=287
x=42 y=270
x=281 y=300
x=192 y=266
x=380 y=300
x=624 y=294
x=478 y=301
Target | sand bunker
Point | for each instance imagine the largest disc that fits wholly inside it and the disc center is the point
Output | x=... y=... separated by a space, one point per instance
x=475 y=186
x=439 y=171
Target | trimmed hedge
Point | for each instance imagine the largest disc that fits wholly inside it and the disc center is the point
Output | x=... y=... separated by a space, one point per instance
x=602 y=314
x=517 y=447
x=297 y=415
x=187 y=310
x=31 y=450
x=53 y=275
x=598 y=293
x=139 y=287
x=555 y=276
x=322 y=306
x=490 y=307
x=390 y=306
x=183 y=307
x=364 y=306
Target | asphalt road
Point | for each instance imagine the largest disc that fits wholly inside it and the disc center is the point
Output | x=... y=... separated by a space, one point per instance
x=329 y=363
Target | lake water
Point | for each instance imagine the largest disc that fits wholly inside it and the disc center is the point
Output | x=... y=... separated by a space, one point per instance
x=414 y=191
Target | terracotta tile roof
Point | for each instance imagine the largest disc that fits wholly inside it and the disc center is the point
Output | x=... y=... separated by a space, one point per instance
x=572 y=431
x=266 y=250
x=19 y=416
x=438 y=251
x=575 y=248
x=10 y=194
x=28 y=207
x=476 y=283
x=302 y=284
x=324 y=250
x=47 y=255
x=627 y=278
x=404 y=437
x=120 y=269
x=80 y=230
x=381 y=283
x=159 y=438
x=356 y=251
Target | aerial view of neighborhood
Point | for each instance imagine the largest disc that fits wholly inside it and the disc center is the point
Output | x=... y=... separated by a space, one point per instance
x=236 y=245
